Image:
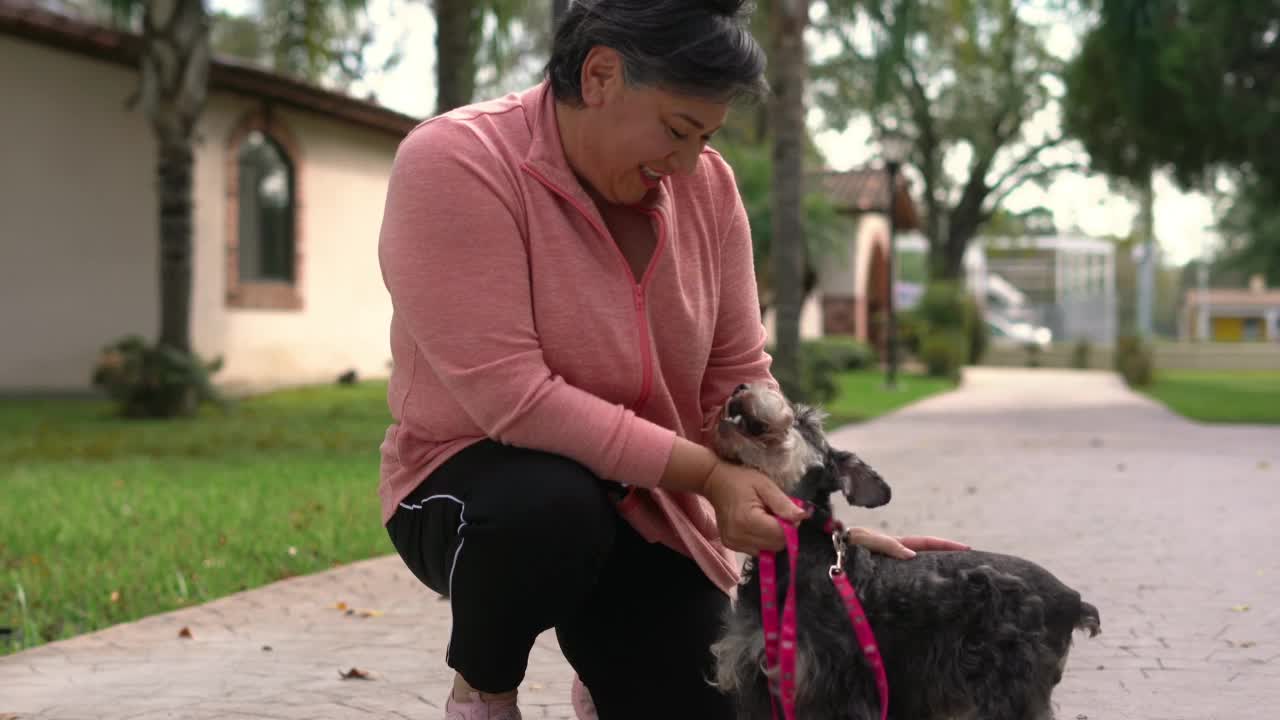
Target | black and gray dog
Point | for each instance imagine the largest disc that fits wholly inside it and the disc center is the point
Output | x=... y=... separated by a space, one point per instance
x=963 y=635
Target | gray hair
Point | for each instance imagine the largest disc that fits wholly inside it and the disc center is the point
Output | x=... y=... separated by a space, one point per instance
x=701 y=48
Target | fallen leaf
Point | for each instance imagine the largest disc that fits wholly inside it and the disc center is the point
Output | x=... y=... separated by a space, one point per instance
x=266 y=648
x=340 y=606
x=185 y=633
x=1248 y=644
x=115 y=596
x=293 y=551
x=370 y=613
x=349 y=612
x=356 y=674
x=1239 y=608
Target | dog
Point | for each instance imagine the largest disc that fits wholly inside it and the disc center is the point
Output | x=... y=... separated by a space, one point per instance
x=962 y=634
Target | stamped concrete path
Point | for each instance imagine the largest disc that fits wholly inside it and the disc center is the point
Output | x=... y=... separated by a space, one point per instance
x=1171 y=528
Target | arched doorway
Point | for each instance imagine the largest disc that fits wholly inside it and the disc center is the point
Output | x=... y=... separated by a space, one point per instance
x=877 y=294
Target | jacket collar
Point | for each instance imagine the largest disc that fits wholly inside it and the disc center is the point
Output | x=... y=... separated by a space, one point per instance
x=546 y=152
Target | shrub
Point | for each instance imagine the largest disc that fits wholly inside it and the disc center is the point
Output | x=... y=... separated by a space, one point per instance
x=1080 y=354
x=154 y=381
x=911 y=328
x=976 y=330
x=943 y=353
x=942 y=306
x=842 y=353
x=1135 y=361
x=947 y=308
x=1034 y=356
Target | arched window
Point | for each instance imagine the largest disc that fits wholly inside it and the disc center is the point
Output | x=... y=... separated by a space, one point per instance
x=266 y=210
x=264 y=239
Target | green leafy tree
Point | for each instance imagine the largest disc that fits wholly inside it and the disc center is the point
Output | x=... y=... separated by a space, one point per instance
x=1193 y=87
x=959 y=79
x=319 y=41
x=464 y=44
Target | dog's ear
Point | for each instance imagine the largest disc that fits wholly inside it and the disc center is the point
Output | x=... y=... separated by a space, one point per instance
x=861 y=485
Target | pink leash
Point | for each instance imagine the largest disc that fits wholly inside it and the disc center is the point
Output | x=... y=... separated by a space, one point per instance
x=780 y=639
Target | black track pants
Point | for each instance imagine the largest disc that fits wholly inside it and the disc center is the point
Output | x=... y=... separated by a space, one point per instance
x=523 y=541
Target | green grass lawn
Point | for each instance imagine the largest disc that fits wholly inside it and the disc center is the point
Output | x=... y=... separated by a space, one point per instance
x=105 y=520
x=1220 y=396
x=863 y=395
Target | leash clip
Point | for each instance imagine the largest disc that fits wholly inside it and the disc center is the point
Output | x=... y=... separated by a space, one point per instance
x=837 y=542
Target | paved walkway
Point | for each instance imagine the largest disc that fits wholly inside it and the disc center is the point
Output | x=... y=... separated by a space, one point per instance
x=1169 y=527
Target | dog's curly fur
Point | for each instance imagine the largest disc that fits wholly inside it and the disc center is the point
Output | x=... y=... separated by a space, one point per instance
x=964 y=635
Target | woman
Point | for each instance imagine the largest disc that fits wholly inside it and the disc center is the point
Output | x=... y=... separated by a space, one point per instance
x=574 y=298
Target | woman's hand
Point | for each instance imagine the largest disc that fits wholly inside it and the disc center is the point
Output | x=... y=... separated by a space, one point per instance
x=903 y=548
x=746 y=503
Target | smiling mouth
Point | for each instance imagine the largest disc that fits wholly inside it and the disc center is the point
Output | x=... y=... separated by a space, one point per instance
x=650 y=174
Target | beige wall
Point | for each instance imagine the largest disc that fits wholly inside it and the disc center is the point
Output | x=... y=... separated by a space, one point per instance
x=78 y=238
x=77 y=216
x=346 y=312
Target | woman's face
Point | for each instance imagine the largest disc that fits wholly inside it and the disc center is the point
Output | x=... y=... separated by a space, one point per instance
x=634 y=136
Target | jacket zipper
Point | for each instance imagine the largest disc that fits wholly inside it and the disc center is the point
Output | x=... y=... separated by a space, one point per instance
x=637 y=288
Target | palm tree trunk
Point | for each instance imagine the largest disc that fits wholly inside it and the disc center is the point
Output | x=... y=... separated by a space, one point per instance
x=175 y=84
x=175 y=172
x=787 y=119
x=457 y=36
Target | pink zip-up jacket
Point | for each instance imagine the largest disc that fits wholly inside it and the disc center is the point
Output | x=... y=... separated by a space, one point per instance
x=516 y=316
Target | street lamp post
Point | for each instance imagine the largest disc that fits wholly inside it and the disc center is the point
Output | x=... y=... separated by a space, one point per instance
x=895 y=148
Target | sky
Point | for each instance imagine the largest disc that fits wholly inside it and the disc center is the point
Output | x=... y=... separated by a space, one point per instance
x=1079 y=202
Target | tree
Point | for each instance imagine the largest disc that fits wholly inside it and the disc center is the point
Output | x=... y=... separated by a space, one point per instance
x=462 y=42
x=321 y=42
x=789 y=66
x=1193 y=91
x=173 y=87
x=1250 y=227
x=960 y=79
x=174 y=83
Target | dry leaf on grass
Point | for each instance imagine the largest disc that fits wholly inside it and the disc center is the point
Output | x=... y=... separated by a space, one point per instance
x=185 y=633
x=356 y=674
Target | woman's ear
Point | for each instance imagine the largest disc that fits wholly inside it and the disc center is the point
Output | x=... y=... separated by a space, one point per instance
x=602 y=76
